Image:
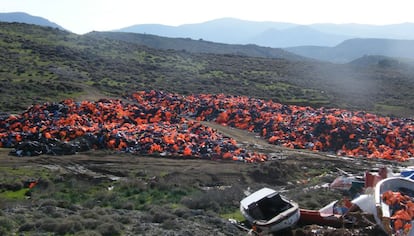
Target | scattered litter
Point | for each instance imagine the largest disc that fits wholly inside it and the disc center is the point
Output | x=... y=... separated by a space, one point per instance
x=384 y=200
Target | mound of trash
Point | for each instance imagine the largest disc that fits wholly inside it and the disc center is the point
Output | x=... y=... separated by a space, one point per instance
x=145 y=128
x=168 y=124
x=350 y=133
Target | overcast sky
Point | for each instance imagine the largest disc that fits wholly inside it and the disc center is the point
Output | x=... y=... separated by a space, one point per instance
x=82 y=16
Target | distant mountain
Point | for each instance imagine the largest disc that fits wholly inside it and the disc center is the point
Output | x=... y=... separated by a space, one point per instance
x=275 y=34
x=354 y=48
x=198 y=46
x=298 y=35
x=394 y=31
x=225 y=30
x=22 y=17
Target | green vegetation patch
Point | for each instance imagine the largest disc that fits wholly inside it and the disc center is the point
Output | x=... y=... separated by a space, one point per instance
x=157 y=197
x=390 y=109
x=236 y=214
x=23 y=173
x=15 y=195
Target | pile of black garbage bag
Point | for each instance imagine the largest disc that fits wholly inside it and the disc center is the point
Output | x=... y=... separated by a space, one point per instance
x=53 y=147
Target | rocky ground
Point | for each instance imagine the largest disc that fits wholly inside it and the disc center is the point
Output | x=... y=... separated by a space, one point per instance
x=107 y=193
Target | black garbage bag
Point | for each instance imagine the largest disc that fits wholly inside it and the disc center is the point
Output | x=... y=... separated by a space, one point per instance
x=29 y=148
x=50 y=147
x=63 y=148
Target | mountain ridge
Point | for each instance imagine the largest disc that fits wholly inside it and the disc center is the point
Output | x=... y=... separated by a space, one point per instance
x=352 y=49
x=198 y=46
x=232 y=30
x=296 y=36
x=22 y=17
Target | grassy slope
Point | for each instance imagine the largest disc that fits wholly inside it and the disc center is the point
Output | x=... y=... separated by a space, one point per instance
x=40 y=64
x=198 y=46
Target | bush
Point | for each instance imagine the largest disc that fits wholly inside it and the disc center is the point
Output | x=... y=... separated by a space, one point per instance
x=88 y=233
x=48 y=224
x=202 y=201
x=104 y=199
x=12 y=186
x=140 y=229
x=170 y=224
x=90 y=223
x=132 y=186
x=180 y=212
x=123 y=219
x=27 y=227
x=127 y=205
x=109 y=229
x=119 y=203
x=19 y=219
x=48 y=210
x=89 y=214
x=6 y=225
x=69 y=226
x=159 y=215
x=214 y=200
x=48 y=202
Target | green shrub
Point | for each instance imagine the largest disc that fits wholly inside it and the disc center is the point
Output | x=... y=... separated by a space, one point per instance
x=48 y=202
x=6 y=225
x=92 y=214
x=47 y=224
x=90 y=223
x=109 y=229
x=48 y=210
x=170 y=224
x=127 y=205
x=200 y=201
x=159 y=215
x=15 y=195
x=88 y=233
x=15 y=186
x=19 y=219
x=180 y=212
x=69 y=226
x=27 y=227
x=124 y=219
x=215 y=200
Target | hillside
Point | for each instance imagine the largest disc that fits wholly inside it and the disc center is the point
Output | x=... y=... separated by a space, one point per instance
x=39 y=64
x=383 y=61
x=354 y=48
x=197 y=46
x=22 y=17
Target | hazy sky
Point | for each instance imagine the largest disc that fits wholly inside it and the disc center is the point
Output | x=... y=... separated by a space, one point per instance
x=82 y=16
